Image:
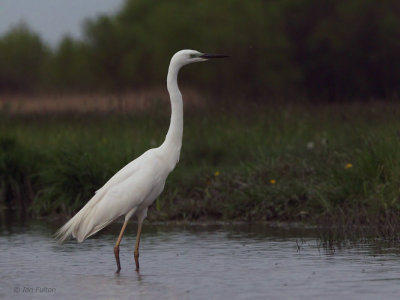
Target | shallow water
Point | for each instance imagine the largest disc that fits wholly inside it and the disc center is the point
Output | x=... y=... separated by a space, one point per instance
x=193 y=262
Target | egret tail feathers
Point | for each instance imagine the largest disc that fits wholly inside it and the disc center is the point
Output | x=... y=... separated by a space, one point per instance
x=72 y=227
x=82 y=235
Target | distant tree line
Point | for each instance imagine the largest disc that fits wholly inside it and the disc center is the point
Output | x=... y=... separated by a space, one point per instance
x=330 y=49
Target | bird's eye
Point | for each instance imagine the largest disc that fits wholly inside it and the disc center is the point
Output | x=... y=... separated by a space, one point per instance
x=193 y=55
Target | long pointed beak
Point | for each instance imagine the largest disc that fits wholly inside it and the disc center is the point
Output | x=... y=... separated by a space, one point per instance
x=212 y=55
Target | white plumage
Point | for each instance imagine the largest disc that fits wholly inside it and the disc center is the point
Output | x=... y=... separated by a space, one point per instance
x=135 y=187
x=131 y=190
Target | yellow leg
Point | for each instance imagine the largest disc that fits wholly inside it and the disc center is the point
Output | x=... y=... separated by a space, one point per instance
x=116 y=248
x=136 y=252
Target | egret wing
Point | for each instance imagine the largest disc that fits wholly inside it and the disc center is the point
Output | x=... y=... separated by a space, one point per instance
x=121 y=199
x=126 y=171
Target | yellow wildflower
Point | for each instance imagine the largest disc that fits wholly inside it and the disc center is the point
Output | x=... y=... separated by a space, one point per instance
x=348 y=166
x=272 y=181
x=216 y=173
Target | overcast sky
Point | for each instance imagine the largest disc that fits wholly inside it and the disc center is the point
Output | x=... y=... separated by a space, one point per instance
x=53 y=18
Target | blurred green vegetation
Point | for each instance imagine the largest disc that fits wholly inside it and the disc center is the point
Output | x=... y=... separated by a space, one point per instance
x=327 y=164
x=334 y=49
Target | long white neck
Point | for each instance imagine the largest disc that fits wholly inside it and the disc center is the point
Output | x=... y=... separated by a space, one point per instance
x=173 y=140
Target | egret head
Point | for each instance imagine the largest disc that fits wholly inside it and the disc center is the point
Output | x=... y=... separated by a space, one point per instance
x=185 y=57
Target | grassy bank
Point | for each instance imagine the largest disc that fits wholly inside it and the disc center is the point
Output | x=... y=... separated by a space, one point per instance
x=330 y=164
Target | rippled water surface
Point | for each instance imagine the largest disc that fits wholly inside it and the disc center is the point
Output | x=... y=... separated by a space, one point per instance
x=194 y=262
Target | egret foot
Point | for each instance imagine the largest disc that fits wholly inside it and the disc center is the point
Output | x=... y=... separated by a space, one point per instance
x=136 y=255
x=116 y=247
x=116 y=253
x=136 y=252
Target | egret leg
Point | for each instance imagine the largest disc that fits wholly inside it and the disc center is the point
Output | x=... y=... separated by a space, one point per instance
x=136 y=252
x=116 y=248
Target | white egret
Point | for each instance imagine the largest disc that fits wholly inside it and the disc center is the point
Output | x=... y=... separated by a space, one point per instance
x=135 y=187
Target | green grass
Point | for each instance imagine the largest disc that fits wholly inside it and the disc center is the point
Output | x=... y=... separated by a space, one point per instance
x=53 y=164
